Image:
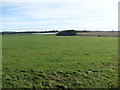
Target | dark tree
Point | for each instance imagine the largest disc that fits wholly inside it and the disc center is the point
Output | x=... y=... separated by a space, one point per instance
x=67 y=33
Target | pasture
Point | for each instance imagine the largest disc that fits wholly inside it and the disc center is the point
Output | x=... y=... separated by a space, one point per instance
x=49 y=61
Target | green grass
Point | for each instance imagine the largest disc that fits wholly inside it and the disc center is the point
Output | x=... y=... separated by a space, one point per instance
x=49 y=61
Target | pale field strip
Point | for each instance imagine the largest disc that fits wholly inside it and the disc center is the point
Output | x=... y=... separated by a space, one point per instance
x=111 y=34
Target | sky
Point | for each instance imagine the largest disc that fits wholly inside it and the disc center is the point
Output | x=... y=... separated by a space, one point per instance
x=24 y=15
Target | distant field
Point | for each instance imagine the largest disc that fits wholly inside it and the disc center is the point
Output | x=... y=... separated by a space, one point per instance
x=49 y=61
x=100 y=34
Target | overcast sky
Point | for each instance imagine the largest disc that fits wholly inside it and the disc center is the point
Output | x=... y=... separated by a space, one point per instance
x=59 y=14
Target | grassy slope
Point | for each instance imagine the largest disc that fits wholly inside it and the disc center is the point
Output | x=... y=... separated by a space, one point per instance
x=58 y=61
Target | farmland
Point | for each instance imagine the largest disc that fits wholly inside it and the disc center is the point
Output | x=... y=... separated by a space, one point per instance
x=103 y=34
x=49 y=61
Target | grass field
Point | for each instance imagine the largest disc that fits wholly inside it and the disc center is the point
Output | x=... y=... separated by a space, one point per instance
x=48 y=61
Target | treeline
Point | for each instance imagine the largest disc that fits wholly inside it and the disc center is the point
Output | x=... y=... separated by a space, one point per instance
x=70 y=32
x=53 y=31
x=27 y=32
